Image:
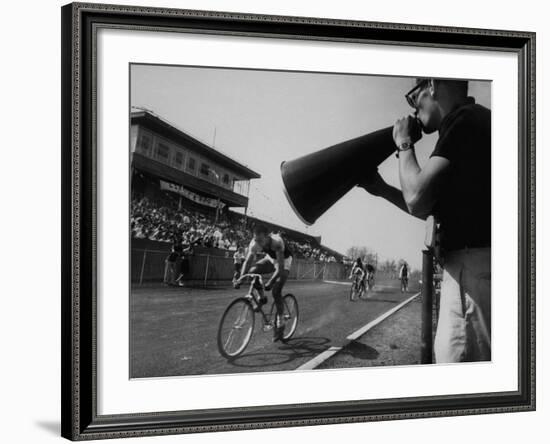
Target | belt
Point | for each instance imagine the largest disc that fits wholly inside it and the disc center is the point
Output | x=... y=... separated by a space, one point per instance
x=464 y=247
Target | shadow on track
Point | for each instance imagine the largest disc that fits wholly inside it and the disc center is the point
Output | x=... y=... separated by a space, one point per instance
x=360 y=351
x=295 y=348
x=376 y=299
x=392 y=290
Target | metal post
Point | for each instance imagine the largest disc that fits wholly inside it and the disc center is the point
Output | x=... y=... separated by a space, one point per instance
x=206 y=269
x=245 y=214
x=247 y=199
x=142 y=267
x=427 y=302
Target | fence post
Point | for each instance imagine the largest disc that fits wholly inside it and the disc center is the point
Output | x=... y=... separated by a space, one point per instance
x=427 y=301
x=206 y=269
x=142 y=267
x=322 y=266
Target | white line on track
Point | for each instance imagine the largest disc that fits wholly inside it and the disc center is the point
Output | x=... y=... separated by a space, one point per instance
x=338 y=282
x=322 y=357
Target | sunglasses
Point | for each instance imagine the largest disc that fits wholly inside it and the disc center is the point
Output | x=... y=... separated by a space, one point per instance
x=412 y=95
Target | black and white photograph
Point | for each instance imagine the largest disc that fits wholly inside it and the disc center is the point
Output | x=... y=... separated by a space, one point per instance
x=275 y=221
x=294 y=221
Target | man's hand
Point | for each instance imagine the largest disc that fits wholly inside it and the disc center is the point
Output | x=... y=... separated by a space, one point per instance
x=268 y=286
x=374 y=184
x=407 y=129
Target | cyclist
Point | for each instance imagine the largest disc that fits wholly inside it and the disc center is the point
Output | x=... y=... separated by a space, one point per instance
x=358 y=269
x=370 y=275
x=278 y=259
x=404 y=276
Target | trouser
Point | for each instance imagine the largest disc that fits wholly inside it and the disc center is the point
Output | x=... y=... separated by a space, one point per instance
x=464 y=325
x=169 y=272
x=237 y=270
x=264 y=266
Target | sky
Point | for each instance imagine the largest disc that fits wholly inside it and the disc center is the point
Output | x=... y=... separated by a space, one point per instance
x=262 y=118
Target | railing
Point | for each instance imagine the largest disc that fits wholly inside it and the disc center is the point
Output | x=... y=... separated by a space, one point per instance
x=148 y=265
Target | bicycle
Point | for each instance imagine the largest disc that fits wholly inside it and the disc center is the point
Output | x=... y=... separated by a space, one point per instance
x=357 y=288
x=370 y=282
x=236 y=325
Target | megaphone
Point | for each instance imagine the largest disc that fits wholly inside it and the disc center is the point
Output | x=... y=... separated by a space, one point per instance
x=316 y=181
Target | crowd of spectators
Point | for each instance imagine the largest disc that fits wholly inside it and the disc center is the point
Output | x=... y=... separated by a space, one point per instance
x=307 y=251
x=165 y=220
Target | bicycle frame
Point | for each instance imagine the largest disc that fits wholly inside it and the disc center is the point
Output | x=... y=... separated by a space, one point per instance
x=359 y=282
x=254 y=295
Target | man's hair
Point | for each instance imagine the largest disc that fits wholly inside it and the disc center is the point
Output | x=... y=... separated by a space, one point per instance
x=260 y=229
x=459 y=87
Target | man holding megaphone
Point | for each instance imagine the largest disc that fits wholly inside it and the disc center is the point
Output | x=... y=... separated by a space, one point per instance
x=455 y=186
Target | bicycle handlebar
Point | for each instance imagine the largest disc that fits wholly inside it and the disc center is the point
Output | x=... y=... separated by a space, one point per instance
x=251 y=275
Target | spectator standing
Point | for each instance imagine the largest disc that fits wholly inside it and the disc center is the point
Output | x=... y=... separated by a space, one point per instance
x=238 y=259
x=186 y=253
x=404 y=276
x=170 y=267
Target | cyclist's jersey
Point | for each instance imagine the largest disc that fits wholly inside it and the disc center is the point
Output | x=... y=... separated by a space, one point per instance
x=256 y=248
x=357 y=269
x=370 y=268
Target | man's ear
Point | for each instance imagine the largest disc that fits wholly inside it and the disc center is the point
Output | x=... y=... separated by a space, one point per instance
x=432 y=88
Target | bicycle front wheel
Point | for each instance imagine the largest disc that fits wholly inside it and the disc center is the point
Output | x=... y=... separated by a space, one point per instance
x=290 y=316
x=236 y=328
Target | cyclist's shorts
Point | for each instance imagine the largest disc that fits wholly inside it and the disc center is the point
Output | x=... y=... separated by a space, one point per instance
x=287 y=263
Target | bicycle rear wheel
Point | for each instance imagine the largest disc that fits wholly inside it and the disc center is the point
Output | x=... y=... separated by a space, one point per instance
x=235 y=328
x=354 y=290
x=290 y=316
x=366 y=287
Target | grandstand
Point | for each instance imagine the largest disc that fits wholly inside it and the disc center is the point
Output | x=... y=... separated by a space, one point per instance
x=182 y=193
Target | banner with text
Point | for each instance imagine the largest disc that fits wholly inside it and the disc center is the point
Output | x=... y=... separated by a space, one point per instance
x=209 y=202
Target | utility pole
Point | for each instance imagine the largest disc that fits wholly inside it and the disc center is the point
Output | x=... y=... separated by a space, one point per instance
x=426 y=352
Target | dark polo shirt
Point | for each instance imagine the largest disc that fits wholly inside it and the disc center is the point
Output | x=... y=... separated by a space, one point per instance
x=464 y=197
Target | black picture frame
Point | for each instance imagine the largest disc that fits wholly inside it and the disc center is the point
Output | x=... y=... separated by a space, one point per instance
x=79 y=396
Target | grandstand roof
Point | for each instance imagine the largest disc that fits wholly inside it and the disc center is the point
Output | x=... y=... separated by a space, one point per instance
x=333 y=252
x=161 y=126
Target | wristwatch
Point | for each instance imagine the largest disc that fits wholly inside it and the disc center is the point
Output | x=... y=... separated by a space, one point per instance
x=405 y=146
